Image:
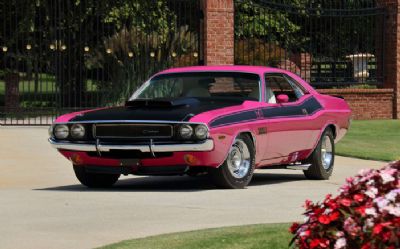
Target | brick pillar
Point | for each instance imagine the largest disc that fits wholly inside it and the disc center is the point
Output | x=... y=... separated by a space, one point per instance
x=218 y=32
x=304 y=62
x=391 y=61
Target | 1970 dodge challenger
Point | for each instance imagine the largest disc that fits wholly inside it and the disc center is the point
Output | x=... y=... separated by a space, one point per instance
x=225 y=121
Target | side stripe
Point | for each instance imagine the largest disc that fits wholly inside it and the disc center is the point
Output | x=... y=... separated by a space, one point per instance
x=309 y=107
x=241 y=117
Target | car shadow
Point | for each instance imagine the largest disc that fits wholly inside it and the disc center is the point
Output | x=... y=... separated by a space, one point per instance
x=177 y=183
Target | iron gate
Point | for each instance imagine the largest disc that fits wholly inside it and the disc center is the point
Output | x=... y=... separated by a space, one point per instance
x=60 y=56
x=329 y=43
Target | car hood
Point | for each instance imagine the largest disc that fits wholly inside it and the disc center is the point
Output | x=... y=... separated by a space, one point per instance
x=164 y=110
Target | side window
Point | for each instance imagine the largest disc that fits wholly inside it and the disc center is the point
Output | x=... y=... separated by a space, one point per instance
x=299 y=89
x=278 y=84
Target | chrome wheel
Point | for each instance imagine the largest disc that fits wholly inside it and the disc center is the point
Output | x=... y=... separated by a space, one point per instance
x=326 y=152
x=239 y=159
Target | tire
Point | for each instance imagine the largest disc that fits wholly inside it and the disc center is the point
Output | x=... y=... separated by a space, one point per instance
x=323 y=158
x=237 y=170
x=95 y=180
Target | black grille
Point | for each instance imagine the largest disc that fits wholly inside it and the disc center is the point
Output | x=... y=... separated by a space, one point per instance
x=139 y=131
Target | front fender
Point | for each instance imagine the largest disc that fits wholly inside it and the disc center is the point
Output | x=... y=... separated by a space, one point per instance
x=224 y=138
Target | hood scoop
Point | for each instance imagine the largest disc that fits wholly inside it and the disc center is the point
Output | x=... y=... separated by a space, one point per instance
x=162 y=103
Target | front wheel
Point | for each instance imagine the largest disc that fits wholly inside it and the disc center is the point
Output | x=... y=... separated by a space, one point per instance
x=323 y=158
x=95 y=180
x=238 y=168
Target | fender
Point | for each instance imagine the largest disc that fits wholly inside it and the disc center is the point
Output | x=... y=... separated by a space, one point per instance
x=329 y=123
x=234 y=136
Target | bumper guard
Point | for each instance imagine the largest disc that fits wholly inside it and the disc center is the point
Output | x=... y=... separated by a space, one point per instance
x=207 y=145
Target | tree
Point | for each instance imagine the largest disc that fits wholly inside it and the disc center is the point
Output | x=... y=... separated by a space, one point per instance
x=61 y=31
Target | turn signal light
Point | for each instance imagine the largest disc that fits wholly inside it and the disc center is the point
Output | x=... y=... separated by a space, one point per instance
x=190 y=159
x=76 y=159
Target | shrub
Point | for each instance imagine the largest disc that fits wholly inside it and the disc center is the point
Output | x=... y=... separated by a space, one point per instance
x=366 y=214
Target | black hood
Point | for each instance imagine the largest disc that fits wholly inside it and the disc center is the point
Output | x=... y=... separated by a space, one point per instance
x=181 y=109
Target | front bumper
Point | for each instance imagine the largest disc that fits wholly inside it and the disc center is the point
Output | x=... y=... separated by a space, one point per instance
x=207 y=145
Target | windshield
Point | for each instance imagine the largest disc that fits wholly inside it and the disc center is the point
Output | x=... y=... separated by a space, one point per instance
x=201 y=85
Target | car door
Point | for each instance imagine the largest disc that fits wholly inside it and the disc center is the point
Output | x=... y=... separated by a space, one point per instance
x=287 y=125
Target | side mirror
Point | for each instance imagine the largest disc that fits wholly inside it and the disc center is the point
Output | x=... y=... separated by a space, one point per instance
x=282 y=98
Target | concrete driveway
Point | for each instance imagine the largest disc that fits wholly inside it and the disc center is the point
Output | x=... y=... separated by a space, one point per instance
x=43 y=206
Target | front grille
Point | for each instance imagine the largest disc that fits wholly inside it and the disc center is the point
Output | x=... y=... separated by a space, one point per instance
x=135 y=131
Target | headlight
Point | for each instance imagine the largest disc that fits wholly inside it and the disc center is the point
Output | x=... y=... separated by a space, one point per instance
x=61 y=131
x=77 y=131
x=51 y=131
x=201 y=132
x=186 y=131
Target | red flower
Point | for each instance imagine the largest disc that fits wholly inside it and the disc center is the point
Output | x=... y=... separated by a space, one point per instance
x=308 y=204
x=377 y=229
x=314 y=243
x=386 y=236
x=361 y=210
x=324 y=219
x=332 y=204
x=345 y=202
x=324 y=243
x=294 y=227
x=366 y=246
x=358 y=197
x=334 y=216
x=307 y=233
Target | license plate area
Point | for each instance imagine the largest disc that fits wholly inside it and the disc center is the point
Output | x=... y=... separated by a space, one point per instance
x=129 y=162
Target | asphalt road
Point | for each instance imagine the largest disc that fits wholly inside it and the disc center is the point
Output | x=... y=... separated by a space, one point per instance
x=43 y=206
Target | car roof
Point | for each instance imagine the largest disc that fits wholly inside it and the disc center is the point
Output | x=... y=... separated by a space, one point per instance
x=228 y=68
x=260 y=70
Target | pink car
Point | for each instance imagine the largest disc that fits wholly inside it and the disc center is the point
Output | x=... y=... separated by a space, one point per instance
x=225 y=121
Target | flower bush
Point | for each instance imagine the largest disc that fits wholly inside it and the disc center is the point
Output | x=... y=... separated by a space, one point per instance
x=366 y=214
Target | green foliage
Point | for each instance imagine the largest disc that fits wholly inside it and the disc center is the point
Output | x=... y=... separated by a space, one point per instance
x=253 y=20
x=149 y=16
x=131 y=52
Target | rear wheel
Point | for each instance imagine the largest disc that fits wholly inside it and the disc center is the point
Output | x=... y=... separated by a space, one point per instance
x=95 y=180
x=238 y=168
x=323 y=158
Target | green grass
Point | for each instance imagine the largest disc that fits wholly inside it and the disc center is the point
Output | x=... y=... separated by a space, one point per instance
x=375 y=139
x=267 y=236
x=47 y=84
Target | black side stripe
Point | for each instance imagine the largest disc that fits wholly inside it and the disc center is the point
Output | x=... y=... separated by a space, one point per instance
x=235 y=118
x=309 y=107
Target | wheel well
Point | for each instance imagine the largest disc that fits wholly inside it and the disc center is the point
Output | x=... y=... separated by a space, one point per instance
x=250 y=136
x=333 y=128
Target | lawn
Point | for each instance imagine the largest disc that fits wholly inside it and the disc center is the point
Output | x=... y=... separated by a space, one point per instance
x=255 y=236
x=376 y=139
x=46 y=84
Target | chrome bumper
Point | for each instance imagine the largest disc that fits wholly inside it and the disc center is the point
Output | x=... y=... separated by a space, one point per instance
x=207 y=145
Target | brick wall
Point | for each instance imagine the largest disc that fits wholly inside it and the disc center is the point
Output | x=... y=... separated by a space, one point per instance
x=391 y=61
x=366 y=103
x=218 y=28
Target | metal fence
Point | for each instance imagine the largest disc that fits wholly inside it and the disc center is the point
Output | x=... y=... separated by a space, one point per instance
x=59 y=56
x=331 y=44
